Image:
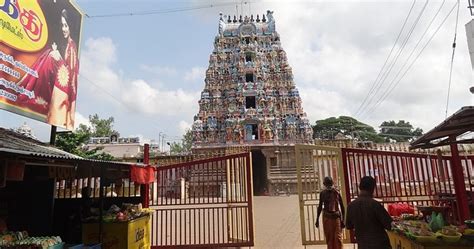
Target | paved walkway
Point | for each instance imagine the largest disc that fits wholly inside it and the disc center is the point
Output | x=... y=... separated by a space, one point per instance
x=277 y=223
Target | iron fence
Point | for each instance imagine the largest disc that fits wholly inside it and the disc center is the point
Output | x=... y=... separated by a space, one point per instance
x=203 y=203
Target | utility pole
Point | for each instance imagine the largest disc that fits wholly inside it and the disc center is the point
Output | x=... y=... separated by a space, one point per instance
x=159 y=138
x=163 y=142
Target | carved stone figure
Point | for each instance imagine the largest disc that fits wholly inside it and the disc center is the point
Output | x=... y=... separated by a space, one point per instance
x=224 y=105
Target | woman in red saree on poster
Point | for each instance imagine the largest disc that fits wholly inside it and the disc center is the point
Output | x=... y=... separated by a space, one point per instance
x=63 y=98
x=56 y=87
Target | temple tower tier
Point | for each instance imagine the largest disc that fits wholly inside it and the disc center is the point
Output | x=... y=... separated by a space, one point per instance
x=249 y=97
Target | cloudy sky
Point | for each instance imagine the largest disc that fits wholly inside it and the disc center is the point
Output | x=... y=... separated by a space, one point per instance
x=147 y=71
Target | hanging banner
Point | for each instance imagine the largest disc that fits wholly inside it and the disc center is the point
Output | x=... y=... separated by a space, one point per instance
x=39 y=59
x=470 y=40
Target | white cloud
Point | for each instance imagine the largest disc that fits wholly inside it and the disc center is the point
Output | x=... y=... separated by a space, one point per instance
x=97 y=59
x=196 y=73
x=159 y=70
x=80 y=119
x=336 y=50
x=143 y=98
x=136 y=94
x=184 y=127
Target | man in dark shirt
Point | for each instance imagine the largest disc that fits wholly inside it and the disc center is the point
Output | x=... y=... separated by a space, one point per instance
x=368 y=218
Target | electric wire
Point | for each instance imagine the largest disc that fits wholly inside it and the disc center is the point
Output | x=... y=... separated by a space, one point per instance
x=452 y=62
x=106 y=92
x=112 y=96
x=413 y=62
x=163 y=11
x=410 y=56
x=386 y=60
x=394 y=61
x=374 y=84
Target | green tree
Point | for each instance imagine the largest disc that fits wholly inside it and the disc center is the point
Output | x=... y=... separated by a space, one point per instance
x=184 y=146
x=347 y=126
x=74 y=142
x=400 y=131
x=101 y=127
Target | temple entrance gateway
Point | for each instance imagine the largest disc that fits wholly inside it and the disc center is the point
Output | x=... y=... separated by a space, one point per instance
x=248 y=99
x=259 y=170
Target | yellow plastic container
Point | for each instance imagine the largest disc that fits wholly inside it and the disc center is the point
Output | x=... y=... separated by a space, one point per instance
x=426 y=239
x=449 y=238
x=119 y=235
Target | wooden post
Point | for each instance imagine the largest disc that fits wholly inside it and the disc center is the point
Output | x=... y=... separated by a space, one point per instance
x=52 y=137
x=346 y=190
x=459 y=184
x=145 y=190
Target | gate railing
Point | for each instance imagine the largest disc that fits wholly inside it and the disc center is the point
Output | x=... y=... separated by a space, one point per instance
x=415 y=178
x=203 y=203
x=313 y=163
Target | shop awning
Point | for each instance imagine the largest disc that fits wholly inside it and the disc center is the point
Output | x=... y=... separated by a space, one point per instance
x=460 y=123
x=34 y=152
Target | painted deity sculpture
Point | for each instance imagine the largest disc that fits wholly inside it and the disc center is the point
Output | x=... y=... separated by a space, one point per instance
x=249 y=94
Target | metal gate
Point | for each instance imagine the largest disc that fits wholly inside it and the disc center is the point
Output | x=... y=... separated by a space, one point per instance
x=205 y=203
x=313 y=163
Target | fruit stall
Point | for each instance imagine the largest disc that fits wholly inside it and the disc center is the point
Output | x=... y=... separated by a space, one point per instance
x=435 y=229
x=50 y=196
x=125 y=227
x=416 y=232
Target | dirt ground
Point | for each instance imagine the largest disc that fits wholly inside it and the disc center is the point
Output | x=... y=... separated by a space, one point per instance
x=277 y=223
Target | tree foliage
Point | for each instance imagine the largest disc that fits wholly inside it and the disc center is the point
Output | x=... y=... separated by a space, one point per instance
x=400 y=131
x=74 y=142
x=101 y=127
x=184 y=146
x=349 y=127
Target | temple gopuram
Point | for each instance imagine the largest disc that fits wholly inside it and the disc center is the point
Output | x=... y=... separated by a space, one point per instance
x=250 y=99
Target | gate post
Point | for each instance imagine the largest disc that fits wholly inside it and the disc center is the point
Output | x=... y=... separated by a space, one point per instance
x=300 y=190
x=145 y=188
x=459 y=184
x=248 y=164
x=346 y=191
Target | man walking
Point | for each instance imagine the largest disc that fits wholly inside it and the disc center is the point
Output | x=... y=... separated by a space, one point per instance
x=368 y=218
x=330 y=203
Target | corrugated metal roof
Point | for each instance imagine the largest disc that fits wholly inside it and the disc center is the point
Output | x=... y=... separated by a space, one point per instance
x=456 y=125
x=16 y=143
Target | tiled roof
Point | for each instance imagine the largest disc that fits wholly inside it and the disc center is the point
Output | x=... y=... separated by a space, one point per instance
x=16 y=143
x=460 y=123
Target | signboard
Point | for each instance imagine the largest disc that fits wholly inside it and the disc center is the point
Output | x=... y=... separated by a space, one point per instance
x=470 y=40
x=39 y=59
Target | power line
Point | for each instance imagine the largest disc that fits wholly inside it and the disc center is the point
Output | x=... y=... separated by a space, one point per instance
x=394 y=61
x=452 y=61
x=105 y=91
x=163 y=11
x=409 y=57
x=386 y=60
x=413 y=62
x=115 y=98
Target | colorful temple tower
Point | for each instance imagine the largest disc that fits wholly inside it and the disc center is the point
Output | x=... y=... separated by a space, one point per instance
x=249 y=97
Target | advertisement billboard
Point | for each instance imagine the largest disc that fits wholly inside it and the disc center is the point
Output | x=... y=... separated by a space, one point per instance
x=39 y=59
